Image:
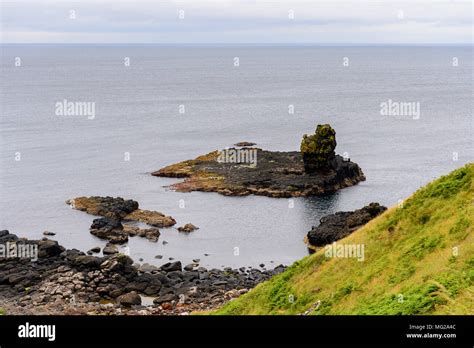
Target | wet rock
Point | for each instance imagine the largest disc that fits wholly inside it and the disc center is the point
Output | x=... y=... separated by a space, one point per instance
x=130 y=299
x=94 y=250
x=147 y=268
x=117 y=263
x=110 y=229
x=188 y=228
x=114 y=208
x=152 y=234
x=165 y=298
x=159 y=257
x=339 y=225
x=110 y=249
x=152 y=218
x=189 y=267
x=48 y=248
x=171 y=266
x=86 y=261
x=5 y=237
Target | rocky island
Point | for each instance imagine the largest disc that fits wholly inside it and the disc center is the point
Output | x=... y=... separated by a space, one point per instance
x=116 y=212
x=313 y=171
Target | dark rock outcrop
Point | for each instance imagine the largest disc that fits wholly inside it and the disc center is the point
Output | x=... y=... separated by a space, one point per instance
x=115 y=225
x=120 y=209
x=110 y=229
x=339 y=225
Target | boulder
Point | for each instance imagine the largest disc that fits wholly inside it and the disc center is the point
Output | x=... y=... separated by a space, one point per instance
x=164 y=298
x=110 y=249
x=130 y=299
x=94 y=250
x=86 y=261
x=147 y=268
x=171 y=266
x=47 y=248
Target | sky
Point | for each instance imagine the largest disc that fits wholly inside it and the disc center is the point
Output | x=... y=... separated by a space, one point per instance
x=237 y=21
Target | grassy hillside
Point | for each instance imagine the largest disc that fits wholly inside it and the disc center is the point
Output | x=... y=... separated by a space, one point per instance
x=419 y=259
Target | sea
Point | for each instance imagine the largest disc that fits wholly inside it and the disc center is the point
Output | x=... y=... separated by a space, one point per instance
x=403 y=113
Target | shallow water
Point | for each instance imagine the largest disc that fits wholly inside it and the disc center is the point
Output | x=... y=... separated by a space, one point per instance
x=137 y=111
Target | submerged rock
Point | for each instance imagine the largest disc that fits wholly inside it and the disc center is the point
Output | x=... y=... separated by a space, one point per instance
x=245 y=144
x=152 y=234
x=188 y=228
x=339 y=225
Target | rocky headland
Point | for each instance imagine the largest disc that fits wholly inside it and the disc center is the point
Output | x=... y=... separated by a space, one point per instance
x=339 y=225
x=61 y=281
x=314 y=170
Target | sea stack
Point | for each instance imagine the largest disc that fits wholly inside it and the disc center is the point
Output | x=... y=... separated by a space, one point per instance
x=318 y=149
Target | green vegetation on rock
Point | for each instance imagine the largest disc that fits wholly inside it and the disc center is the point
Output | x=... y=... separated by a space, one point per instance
x=318 y=149
x=419 y=259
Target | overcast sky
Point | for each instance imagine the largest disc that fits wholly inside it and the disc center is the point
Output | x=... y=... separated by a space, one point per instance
x=237 y=21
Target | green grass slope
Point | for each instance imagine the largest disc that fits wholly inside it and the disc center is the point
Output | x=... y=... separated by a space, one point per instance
x=419 y=259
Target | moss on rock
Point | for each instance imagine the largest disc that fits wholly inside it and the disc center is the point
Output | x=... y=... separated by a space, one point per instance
x=318 y=149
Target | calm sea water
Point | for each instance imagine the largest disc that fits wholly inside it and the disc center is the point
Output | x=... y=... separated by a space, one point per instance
x=137 y=111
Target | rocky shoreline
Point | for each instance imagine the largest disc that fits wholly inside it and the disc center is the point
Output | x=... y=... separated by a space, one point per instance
x=276 y=174
x=64 y=281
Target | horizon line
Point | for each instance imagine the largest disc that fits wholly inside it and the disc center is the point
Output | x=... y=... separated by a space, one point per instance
x=243 y=44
